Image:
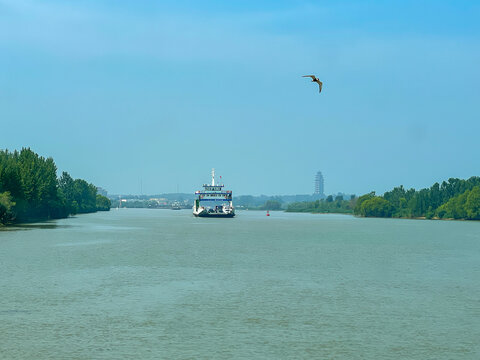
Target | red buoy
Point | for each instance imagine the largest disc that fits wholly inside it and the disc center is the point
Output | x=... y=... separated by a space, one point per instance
x=268 y=214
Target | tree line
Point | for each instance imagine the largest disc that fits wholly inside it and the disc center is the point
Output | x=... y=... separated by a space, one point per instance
x=31 y=191
x=331 y=204
x=452 y=199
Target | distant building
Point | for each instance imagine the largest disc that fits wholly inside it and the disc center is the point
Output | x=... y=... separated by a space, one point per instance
x=319 y=190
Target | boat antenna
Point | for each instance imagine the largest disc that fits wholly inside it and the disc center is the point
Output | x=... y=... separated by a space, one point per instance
x=213 y=176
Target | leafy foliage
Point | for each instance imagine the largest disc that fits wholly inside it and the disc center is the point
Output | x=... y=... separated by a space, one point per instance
x=453 y=199
x=271 y=205
x=376 y=206
x=103 y=203
x=6 y=205
x=463 y=206
x=329 y=205
x=30 y=190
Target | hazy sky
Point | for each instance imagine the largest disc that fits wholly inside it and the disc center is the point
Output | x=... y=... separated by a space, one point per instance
x=124 y=93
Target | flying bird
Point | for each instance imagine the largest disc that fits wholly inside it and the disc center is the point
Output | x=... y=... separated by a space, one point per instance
x=315 y=79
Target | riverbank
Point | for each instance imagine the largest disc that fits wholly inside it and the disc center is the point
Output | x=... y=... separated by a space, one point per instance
x=30 y=190
x=453 y=199
x=382 y=217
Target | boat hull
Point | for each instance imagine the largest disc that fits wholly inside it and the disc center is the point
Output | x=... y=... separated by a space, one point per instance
x=214 y=215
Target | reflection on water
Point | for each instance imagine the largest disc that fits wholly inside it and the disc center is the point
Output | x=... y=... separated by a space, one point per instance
x=153 y=284
x=42 y=225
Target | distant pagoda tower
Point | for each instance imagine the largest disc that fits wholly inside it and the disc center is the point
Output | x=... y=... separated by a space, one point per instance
x=319 y=185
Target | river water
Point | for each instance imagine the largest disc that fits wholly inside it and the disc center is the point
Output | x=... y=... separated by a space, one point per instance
x=161 y=284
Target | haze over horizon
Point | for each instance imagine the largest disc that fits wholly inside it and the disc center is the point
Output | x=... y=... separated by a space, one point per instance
x=144 y=97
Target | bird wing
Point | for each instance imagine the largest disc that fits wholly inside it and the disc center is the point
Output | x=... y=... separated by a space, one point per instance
x=312 y=76
x=320 y=84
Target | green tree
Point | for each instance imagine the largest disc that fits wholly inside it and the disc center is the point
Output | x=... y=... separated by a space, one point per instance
x=103 y=203
x=454 y=208
x=272 y=205
x=358 y=205
x=376 y=207
x=472 y=205
x=85 y=195
x=35 y=193
x=6 y=208
x=323 y=206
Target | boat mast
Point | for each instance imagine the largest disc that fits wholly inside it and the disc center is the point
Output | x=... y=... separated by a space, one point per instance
x=213 y=176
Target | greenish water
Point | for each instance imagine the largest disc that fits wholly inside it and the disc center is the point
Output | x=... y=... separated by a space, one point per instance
x=161 y=284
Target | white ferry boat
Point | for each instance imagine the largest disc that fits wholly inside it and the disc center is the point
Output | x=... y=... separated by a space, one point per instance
x=213 y=201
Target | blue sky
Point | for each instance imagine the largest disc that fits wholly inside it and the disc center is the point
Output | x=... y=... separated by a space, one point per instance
x=147 y=95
